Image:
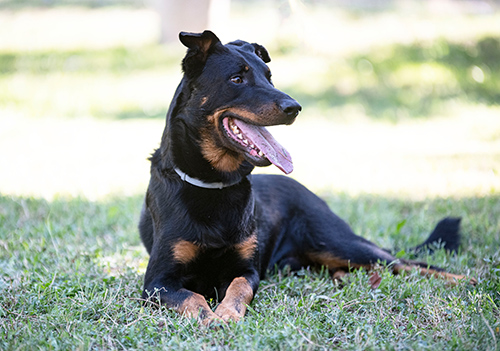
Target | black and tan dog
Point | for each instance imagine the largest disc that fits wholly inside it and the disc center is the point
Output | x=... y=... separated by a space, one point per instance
x=212 y=230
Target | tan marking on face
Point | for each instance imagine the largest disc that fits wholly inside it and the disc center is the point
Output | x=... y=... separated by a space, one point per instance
x=203 y=101
x=185 y=251
x=234 y=305
x=220 y=157
x=244 y=114
x=246 y=249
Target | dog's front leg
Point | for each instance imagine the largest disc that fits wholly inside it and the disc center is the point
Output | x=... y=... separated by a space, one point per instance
x=238 y=295
x=183 y=301
x=162 y=283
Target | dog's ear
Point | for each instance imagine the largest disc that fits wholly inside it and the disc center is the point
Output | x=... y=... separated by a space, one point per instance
x=200 y=45
x=262 y=52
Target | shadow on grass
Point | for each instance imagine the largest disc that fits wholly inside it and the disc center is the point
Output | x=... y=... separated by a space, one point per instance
x=106 y=226
x=69 y=276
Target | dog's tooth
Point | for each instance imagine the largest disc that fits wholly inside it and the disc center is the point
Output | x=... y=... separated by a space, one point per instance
x=240 y=136
x=261 y=153
x=233 y=127
x=245 y=141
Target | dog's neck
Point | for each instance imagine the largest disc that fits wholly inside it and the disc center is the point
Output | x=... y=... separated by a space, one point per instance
x=180 y=150
x=201 y=184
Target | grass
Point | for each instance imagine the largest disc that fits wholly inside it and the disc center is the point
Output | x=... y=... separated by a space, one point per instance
x=398 y=130
x=393 y=82
x=59 y=294
x=417 y=80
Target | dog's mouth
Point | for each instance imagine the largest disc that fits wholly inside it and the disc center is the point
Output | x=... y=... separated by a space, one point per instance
x=259 y=146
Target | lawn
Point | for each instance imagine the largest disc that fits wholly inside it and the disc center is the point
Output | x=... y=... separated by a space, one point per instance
x=72 y=272
x=398 y=130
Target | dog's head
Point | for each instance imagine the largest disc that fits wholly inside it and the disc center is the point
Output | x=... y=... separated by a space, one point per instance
x=231 y=101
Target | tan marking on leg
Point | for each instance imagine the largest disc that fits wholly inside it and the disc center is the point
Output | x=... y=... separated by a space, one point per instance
x=247 y=248
x=238 y=295
x=196 y=306
x=185 y=251
x=328 y=260
x=453 y=279
x=338 y=275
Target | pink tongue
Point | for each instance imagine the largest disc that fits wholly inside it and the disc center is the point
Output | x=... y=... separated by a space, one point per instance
x=266 y=143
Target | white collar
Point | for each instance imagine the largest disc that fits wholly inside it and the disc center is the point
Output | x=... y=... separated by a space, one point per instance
x=200 y=183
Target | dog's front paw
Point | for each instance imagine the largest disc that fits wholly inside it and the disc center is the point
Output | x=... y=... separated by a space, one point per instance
x=228 y=313
x=213 y=322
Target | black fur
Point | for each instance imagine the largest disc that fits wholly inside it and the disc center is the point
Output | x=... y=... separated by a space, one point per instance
x=200 y=239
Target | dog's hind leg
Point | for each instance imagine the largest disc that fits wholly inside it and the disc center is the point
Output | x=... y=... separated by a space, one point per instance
x=430 y=271
x=340 y=253
x=315 y=236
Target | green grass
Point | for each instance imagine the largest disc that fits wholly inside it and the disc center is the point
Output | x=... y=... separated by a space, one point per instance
x=117 y=60
x=418 y=115
x=392 y=82
x=106 y=83
x=71 y=275
x=398 y=81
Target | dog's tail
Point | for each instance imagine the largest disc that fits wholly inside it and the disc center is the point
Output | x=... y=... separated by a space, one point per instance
x=445 y=235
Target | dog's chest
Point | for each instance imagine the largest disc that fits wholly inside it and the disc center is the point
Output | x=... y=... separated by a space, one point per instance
x=211 y=270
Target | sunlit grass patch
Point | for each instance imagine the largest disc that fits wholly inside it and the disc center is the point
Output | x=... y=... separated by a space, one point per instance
x=70 y=95
x=110 y=83
x=395 y=82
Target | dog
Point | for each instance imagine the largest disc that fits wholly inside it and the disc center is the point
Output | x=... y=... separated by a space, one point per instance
x=211 y=228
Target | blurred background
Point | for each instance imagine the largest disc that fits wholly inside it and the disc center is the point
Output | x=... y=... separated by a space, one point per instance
x=400 y=98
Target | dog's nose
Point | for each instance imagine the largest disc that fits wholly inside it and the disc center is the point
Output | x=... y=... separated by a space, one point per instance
x=290 y=107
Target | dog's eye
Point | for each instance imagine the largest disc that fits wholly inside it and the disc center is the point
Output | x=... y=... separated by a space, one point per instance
x=237 y=79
